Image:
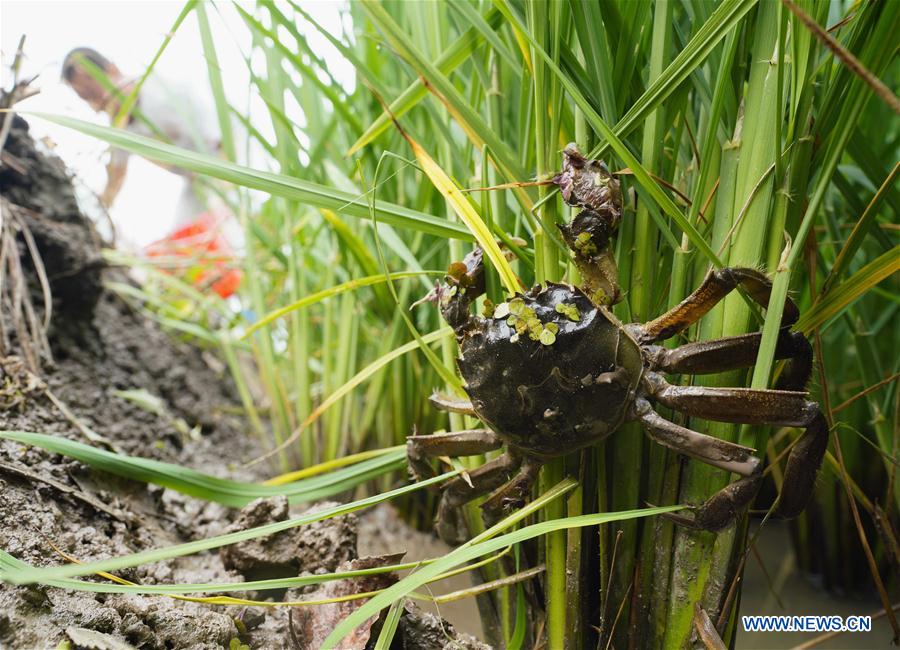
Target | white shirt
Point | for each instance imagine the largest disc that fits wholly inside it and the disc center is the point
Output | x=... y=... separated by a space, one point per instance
x=178 y=115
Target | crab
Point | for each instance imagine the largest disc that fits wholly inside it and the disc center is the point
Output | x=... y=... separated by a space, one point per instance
x=552 y=371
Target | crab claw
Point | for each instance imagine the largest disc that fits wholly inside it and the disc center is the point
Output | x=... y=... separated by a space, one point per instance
x=587 y=183
x=588 y=233
x=573 y=162
x=463 y=283
x=432 y=296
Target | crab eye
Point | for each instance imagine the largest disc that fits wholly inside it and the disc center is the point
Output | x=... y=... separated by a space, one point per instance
x=457 y=270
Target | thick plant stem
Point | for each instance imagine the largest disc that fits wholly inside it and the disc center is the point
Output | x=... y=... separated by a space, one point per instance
x=544 y=21
x=703 y=560
x=555 y=550
x=632 y=581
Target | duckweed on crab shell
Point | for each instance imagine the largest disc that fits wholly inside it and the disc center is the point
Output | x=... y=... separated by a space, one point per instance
x=524 y=319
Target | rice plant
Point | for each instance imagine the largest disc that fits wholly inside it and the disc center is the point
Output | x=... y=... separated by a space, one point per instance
x=760 y=134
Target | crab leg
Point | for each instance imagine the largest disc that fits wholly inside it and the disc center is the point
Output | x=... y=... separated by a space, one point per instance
x=803 y=464
x=452 y=404
x=738 y=405
x=458 y=491
x=454 y=443
x=747 y=406
x=725 y=505
x=802 y=468
x=715 y=286
x=711 y=450
x=730 y=353
x=512 y=495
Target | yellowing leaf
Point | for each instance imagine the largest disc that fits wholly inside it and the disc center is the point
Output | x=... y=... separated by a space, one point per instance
x=850 y=290
x=467 y=214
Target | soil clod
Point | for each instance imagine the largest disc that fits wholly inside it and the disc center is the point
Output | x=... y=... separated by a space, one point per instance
x=317 y=547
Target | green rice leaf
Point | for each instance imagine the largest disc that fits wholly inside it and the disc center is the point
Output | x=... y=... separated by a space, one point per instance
x=319 y=296
x=9 y=563
x=211 y=488
x=471 y=551
x=43 y=575
x=274 y=184
x=452 y=57
x=850 y=290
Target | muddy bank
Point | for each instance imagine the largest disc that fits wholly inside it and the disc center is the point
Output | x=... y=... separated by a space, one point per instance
x=68 y=347
x=60 y=376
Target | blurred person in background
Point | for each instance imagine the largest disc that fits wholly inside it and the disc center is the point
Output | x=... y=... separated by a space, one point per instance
x=176 y=116
x=161 y=111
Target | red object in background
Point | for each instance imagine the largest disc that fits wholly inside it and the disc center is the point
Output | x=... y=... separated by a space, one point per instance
x=205 y=254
